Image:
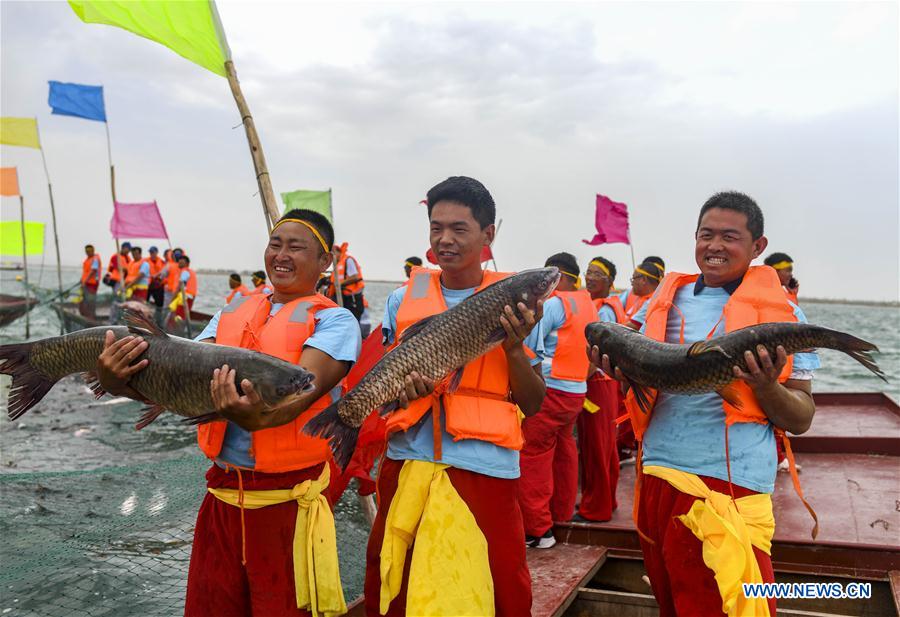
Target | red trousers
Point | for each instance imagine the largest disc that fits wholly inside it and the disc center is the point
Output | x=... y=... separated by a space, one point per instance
x=597 y=456
x=494 y=506
x=180 y=310
x=218 y=583
x=548 y=486
x=682 y=583
x=139 y=294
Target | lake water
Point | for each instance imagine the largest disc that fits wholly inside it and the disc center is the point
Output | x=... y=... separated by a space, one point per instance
x=97 y=517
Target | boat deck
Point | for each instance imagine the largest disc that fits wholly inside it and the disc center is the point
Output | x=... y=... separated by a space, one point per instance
x=558 y=573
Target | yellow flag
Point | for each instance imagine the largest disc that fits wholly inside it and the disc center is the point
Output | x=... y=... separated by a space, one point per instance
x=19 y=132
x=190 y=28
x=11 y=238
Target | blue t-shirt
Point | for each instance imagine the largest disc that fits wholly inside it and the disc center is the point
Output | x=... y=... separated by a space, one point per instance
x=417 y=443
x=688 y=431
x=548 y=333
x=336 y=333
x=606 y=314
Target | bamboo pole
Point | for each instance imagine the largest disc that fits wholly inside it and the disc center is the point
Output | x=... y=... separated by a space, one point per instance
x=266 y=194
x=25 y=266
x=55 y=234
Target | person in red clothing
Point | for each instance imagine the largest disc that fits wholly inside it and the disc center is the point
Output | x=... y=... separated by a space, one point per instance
x=598 y=458
x=479 y=474
x=243 y=560
x=548 y=487
x=118 y=268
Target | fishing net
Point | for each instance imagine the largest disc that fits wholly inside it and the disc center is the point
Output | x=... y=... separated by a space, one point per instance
x=117 y=541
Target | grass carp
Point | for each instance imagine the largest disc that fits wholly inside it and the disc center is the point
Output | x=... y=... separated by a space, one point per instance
x=436 y=347
x=176 y=378
x=706 y=366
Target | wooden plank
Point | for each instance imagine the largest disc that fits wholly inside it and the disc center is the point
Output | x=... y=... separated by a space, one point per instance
x=894 y=579
x=557 y=574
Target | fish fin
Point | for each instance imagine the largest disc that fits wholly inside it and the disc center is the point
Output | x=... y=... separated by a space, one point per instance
x=856 y=348
x=203 y=419
x=702 y=347
x=92 y=380
x=496 y=336
x=151 y=413
x=341 y=437
x=389 y=407
x=640 y=394
x=455 y=379
x=139 y=324
x=29 y=385
x=731 y=395
x=415 y=329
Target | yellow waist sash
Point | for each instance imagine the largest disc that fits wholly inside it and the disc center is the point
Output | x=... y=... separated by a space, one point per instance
x=317 y=579
x=728 y=530
x=449 y=573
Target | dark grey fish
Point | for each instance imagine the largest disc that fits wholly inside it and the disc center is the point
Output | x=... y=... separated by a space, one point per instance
x=435 y=347
x=706 y=366
x=176 y=378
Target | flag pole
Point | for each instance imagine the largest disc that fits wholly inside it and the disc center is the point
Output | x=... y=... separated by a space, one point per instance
x=25 y=265
x=53 y=218
x=112 y=187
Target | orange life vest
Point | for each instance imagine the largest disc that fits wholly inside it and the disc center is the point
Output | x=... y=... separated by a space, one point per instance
x=341 y=268
x=634 y=302
x=246 y=323
x=570 y=363
x=156 y=265
x=113 y=268
x=173 y=277
x=791 y=295
x=615 y=303
x=481 y=407
x=86 y=277
x=134 y=272
x=190 y=287
x=758 y=299
x=240 y=289
x=261 y=289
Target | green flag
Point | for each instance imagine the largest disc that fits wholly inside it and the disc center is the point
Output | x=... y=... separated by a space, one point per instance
x=190 y=28
x=317 y=201
x=11 y=238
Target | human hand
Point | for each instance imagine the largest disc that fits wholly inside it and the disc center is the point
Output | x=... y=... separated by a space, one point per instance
x=517 y=330
x=114 y=368
x=228 y=403
x=603 y=363
x=415 y=386
x=762 y=373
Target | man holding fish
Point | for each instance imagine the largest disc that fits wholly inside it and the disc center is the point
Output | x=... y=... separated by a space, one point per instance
x=268 y=478
x=711 y=457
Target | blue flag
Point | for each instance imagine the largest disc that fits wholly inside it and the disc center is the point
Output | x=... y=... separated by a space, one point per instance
x=77 y=100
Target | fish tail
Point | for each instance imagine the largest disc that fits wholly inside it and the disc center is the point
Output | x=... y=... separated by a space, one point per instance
x=341 y=437
x=29 y=385
x=856 y=348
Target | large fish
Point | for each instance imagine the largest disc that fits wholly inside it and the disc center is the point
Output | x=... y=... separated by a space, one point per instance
x=706 y=366
x=176 y=378
x=435 y=347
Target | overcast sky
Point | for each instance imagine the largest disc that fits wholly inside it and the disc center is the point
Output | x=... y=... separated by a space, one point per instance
x=655 y=105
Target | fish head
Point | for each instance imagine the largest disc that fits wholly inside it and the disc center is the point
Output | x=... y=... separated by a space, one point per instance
x=531 y=286
x=287 y=386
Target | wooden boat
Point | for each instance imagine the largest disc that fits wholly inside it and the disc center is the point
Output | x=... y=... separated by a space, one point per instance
x=851 y=476
x=73 y=320
x=13 y=307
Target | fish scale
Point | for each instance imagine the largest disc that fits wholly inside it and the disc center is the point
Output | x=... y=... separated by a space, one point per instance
x=707 y=366
x=435 y=348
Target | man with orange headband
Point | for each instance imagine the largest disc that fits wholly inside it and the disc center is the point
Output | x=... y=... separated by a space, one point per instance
x=268 y=483
x=707 y=462
x=548 y=487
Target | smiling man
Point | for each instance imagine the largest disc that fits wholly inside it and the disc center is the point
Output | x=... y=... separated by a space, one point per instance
x=244 y=558
x=460 y=465
x=702 y=452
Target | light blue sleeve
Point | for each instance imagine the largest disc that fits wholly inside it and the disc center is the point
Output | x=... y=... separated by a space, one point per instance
x=606 y=314
x=391 y=306
x=185 y=276
x=554 y=317
x=145 y=269
x=808 y=361
x=351 y=268
x=211 y=328
x=95 y=265
x=337 y=334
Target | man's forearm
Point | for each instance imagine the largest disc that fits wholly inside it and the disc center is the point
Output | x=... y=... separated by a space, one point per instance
x=790 y=406
x=527 y=386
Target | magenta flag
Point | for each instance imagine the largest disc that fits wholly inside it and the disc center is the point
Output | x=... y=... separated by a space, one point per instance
x=137 y=221
x=611 y=221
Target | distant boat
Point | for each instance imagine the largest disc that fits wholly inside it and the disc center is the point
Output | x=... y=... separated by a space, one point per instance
x=73 y=320
x=13 y=307
x=10 y=265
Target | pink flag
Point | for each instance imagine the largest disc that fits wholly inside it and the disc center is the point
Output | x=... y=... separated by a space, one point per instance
x=137 y=221
x=611 y=221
